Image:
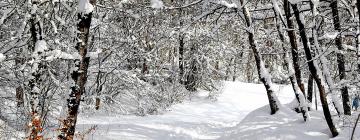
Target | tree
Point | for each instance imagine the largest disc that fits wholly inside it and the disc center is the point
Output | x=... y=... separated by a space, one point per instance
x=340 y=57
x=300 y=96
x=264 y=76
x=314 y=71
x=294 y=46
x=79 y=74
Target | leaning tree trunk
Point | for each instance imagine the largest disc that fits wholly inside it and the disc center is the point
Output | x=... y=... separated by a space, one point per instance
x=294 y=46
x=340 y=57
x=79 y=75
x=314 y=72
x=324 y=62
x=298 y=93
x=310 y=88
x=264 y=76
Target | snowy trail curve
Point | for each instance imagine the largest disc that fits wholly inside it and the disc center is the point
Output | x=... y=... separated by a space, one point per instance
x=199 y=118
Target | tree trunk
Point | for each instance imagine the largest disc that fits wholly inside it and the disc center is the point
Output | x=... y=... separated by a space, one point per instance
x=264 y=76
x=79 y=76
x=358 y=37
x=314 y=72
x=192 y=76
x=19 y=90
x=324 y=62
x=310 y=88
x=228 y=70
x=181 y=59
x=182 y=77
x=35 y=82
x=340 y=57
x=298 y=93
x=294 y=46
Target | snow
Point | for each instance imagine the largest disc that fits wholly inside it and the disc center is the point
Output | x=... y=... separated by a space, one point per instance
x=315 y=3
x=349 y=47
x=296 y=1
x=2 y=57
x=5 y=15
x=9 y=133
x=241 y=112
x=227 y=4
x=277 y=9
x=55 y=29
x=95 y=54
x=199 y=118
x=284 y=125
x=58 y=54
x=157 y=4
x=40 y=47
x=85 y=7
x=330 y=35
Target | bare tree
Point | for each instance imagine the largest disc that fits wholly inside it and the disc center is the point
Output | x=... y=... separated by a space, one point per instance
x=340 y=57
x=79 y=74
x=294 y=46
x=264 y=76
x=314 y=71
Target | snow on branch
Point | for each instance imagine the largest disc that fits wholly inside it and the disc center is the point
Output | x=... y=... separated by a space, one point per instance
x=58 y=54
x=40 y=47
x=296 y=1
x=184 y=6
x=227 y=4
x=85 y=7
x=2 y=57
x=156 y=4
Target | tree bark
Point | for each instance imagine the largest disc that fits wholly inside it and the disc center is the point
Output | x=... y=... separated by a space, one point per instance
x=181 y=50
x=262 y=71
x=79 y=76
x=181 y=59
x=340 y=57
x=38 y=67
x=310 y=88
x=192 y=76
x=294 y=46
x=19 y=90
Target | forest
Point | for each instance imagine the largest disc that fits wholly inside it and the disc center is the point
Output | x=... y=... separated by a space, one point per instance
x=179 y=69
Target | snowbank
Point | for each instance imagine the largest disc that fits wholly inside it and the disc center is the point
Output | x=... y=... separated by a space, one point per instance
x=157 y=4
x=284 y=125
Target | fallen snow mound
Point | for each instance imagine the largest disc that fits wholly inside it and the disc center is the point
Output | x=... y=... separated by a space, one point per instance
x=284 y=125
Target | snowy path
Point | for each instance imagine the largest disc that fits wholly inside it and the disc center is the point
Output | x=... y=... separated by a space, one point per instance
x=196 y=119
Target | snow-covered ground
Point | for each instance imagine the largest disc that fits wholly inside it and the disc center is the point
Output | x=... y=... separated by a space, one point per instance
x=199 y=118
x=284 y=125
x=240 y=112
